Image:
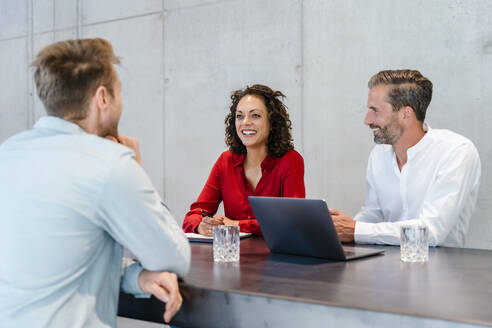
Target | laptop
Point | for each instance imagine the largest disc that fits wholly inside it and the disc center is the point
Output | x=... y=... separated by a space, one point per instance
x=300 y=226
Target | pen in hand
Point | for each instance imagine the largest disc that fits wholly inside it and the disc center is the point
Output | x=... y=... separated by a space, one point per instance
x=205 y=213
x=209 y=219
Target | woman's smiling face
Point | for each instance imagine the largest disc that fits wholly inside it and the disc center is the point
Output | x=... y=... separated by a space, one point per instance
x=252 y=122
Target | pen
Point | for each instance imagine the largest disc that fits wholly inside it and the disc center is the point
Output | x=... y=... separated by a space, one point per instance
x=205 y=213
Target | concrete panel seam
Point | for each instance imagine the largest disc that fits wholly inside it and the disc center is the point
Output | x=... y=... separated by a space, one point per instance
x=64 y=29
x=35 y=34
x=124 y=18
x=210 y=3
x=79 y=19
x=301 y=78
x=163 y=98
x=14 y=37
x=29 y=58
x=54 y=16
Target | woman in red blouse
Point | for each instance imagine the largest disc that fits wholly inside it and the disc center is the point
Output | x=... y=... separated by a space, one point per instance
x=261 y=161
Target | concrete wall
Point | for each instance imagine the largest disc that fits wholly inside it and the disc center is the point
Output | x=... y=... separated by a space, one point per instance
x=182 y=58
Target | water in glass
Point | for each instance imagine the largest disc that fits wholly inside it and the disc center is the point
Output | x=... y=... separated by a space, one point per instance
x=226 y=244
x=414 y=243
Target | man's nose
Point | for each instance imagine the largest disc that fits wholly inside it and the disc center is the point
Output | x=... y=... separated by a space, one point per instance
x=369 y=119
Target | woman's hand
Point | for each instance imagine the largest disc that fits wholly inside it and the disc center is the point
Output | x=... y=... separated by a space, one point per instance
x=226 y=220
x=230 y=222
x=206 y=227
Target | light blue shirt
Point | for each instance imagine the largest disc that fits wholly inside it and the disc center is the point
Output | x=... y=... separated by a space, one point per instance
x=69 y=202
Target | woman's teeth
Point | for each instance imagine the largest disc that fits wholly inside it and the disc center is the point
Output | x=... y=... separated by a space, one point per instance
x=248 y=132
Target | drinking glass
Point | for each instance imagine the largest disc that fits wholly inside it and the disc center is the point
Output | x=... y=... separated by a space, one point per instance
x=414 y=243
x=226 y=243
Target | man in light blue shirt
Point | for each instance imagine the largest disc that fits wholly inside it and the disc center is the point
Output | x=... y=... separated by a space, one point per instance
x=71 y=199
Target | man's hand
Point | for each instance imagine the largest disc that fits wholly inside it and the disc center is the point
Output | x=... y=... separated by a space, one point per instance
x=164 y=286
x=130 y=142
x=206 y=227
x=344 y=225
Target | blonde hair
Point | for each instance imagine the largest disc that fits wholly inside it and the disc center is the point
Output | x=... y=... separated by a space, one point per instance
x=68 y=73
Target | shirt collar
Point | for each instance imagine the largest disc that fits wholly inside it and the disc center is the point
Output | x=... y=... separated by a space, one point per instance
x=238 y=159
x=59 y=125
x=422 y=144
x=268 y=162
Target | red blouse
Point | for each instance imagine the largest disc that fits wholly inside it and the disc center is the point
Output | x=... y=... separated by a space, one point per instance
x=280 y=177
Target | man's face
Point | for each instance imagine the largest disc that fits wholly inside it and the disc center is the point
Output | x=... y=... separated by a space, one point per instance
x=381 y=118
x=109 y=124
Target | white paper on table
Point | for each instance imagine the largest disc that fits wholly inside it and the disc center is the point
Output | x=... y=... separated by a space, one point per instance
x=196 y=237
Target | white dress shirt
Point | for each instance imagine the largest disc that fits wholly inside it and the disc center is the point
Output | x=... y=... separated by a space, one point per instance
x=68 y=202
x=438 y=186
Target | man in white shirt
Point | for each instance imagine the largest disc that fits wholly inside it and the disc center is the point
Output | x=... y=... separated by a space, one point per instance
x=415 y=174
x=70 y=199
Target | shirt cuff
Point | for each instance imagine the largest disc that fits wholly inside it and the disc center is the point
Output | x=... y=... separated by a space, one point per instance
x=363 y=232
x=130 y=281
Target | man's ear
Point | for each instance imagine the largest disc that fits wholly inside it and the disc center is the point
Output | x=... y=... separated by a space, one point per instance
x=101 y=97
x=408 y=112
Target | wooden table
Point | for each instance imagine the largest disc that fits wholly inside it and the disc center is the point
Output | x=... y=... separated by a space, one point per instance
x=454 y=289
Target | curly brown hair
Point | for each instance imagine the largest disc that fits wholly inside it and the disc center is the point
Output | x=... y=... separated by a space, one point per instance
x=280 y=138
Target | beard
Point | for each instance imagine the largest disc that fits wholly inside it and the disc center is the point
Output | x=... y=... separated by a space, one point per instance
x=389 y=134
x=109 y=126
x=109 y=131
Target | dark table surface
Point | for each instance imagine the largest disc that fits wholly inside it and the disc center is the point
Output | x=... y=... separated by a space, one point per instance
x=455 y=285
